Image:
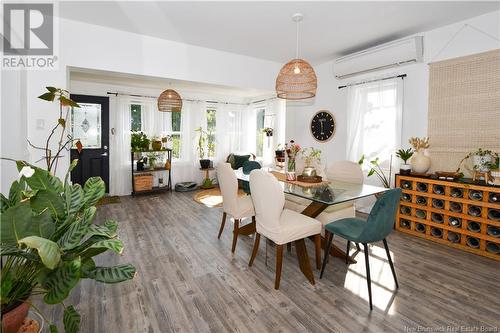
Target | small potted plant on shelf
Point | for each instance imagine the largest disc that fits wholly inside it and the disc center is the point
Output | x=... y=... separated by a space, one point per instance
x=164 y=140
x=201 y=147
x=268 y=131
x=155 y=143
x=139 y=142
x=152 y=158
x=405 y=155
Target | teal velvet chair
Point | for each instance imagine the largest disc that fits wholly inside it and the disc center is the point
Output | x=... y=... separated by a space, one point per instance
x=248 y=166
x=379 y=224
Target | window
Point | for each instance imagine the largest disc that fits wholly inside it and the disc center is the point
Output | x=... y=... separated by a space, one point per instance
x=374 y=120
x=136 y=117
x=175 y=134
x=259 y=134
x=211 y=129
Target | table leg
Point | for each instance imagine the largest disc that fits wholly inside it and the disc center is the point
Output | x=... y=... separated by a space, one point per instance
x=303 y=258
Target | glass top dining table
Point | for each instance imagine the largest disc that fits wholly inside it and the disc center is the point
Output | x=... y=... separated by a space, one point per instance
x=331 y=193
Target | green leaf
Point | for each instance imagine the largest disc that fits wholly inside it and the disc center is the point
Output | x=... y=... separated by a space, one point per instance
x=44 y=224
x=115 y=245
x=371 y=172
x=88 y=265
x=6 y=285
x=14 y=251
x=93 y=190
x=4 y=203
x=108 y=229
x=71 y=320
x=48 y=96
x=48 y=199
x=51 y=89
x=61 y=281
x=16 y=192
x=74 y=198
x=114 y=274
x=68 y=102
x=47 y=250
x=77 y=230
x=53 y=329
x=15 y=223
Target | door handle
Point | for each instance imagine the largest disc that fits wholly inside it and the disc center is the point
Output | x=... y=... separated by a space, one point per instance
x=104 y=154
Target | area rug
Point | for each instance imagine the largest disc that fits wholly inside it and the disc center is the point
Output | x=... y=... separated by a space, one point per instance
x=212 y=197
x=108 y=200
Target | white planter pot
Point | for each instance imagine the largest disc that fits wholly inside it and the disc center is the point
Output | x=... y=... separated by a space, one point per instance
x=481 y=161
x=404 y=169
x=420 y=162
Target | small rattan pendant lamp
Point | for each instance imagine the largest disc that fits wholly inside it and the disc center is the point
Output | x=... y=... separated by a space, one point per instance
x=169 y=101
x=296 y=79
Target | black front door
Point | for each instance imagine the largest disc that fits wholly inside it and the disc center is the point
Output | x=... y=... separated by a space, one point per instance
x=90 y=125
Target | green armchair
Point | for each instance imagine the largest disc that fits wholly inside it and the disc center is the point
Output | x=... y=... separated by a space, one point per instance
x=379 y=224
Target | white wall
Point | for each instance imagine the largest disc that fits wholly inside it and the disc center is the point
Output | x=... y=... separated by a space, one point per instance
x=96 y=47
x=416 y=85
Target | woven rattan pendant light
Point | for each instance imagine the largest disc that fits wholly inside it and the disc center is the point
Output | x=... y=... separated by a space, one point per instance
x=296 y=79
x=169 y=101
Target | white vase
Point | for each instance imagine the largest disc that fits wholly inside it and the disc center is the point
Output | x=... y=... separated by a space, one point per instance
x=420 y=162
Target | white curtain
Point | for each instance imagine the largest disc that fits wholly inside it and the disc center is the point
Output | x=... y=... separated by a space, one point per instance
x=374 y=120
x=120 y=181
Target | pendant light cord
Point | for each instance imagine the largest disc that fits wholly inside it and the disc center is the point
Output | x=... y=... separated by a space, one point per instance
x=297 y=40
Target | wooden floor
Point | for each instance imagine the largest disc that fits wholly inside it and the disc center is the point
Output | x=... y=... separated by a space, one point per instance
x=188 y=281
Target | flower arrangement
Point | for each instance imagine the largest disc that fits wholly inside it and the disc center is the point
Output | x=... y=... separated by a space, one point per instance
x=419 y=143
x=292 y=150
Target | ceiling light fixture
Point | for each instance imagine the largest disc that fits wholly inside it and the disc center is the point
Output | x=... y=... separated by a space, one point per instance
x=169 y=101
x=296 y=79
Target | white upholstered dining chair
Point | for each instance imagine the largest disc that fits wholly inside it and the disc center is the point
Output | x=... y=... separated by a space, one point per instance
x=279 y=225
x=343 y=171
x=237 y=207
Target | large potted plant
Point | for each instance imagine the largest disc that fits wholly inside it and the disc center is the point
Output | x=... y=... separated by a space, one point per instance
x=48 y=242
x=48 y=239
x=405 y=155
x=201 y=148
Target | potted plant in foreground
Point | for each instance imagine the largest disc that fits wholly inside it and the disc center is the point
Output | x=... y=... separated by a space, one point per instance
x=202 y=141
x=48 y=239
x=405 y=155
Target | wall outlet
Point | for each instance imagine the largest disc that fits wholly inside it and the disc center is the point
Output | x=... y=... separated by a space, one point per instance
x=40 y=124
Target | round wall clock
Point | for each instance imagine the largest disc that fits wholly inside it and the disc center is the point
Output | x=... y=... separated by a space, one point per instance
x=323 y=126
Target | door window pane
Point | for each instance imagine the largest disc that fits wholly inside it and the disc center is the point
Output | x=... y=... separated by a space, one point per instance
x=86 y=124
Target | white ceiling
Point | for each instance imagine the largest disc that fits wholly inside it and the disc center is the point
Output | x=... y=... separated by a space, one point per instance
x=265 y=30
x=158 y=83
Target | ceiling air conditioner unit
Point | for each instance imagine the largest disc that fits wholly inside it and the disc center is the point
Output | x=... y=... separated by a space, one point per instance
x=396 y=53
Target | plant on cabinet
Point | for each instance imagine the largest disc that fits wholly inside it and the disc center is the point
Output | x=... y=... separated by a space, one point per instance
x=405 y=155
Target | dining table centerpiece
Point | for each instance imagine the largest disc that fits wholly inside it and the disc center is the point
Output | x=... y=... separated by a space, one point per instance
x=292 y=149
x=312 y=157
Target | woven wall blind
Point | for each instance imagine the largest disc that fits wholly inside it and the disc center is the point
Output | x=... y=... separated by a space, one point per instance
x=464 y=107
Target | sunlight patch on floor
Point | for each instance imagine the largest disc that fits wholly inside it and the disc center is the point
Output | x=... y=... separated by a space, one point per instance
x=383 y=286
